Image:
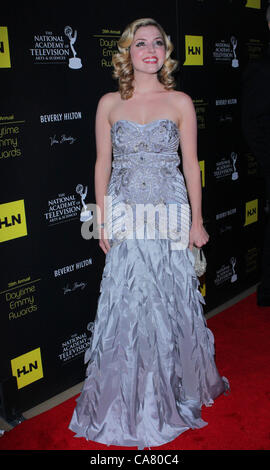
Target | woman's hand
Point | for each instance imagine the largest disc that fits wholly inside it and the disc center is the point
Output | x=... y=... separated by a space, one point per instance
x=197 y=236
x=103 y=240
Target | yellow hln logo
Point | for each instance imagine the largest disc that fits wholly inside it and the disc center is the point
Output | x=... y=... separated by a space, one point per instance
x=202 y=167
x=253 y=4
x=203 y=289
x=12 y=220
x=194 y=50
x=4 y=48
x=251 y=212
x=27 y=368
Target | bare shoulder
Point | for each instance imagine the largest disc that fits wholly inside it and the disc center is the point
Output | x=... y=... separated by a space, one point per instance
x=108 y=100
x=184 y=107
x=105 y=105
x=109 y=97
x=181 y=99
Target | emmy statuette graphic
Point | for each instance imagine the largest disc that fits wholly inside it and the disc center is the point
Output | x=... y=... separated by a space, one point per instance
x=75 y=62
x=235 y=62
x=235 y=172
x=85 y=214
x=234 y=275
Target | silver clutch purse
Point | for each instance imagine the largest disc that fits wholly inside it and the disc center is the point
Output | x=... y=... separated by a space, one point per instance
x=200 y=261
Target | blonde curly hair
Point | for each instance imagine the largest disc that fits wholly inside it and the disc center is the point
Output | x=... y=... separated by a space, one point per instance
x=123 y=69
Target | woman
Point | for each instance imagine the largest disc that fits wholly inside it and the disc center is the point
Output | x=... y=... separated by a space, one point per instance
x=151 y=362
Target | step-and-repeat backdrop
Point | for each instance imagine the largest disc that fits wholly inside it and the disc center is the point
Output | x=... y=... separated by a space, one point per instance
x=55 y=64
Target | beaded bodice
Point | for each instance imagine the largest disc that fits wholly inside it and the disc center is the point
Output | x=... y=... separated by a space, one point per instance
x=145 y=174
x=158 y=136
x=145 y=155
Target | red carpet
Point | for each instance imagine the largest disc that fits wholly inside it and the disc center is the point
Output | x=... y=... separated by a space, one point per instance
x=238 y=421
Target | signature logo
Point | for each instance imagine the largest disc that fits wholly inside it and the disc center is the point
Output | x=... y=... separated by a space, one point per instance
x=63 y=139
x=76 y=285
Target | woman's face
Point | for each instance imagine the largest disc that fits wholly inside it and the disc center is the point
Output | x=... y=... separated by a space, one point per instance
x=147 y=50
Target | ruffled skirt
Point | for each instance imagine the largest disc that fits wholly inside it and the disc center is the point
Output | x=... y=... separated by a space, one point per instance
x=150 y=365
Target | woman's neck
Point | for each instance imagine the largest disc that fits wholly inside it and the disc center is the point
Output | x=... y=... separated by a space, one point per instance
x=146 y=83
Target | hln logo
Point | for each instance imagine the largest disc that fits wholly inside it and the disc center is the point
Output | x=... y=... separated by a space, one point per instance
x=251 y=212
x=194 y=50
x=27 y=368
x=203 y=289
x=253 y=4
x=12 y=220
x=202 y=168
x=4 y=48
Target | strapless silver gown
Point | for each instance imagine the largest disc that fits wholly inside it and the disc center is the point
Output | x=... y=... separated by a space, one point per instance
x=151 y=362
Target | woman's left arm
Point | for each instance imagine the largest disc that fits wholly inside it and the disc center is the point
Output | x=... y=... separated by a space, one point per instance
x=191 y=169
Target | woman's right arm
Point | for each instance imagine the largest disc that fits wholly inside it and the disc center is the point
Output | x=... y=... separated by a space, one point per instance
x=103 y=163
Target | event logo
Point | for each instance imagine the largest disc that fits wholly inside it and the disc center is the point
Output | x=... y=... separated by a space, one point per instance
x=227 y=213
x=251 y=259
x=202 y=289
x=10 y=130
x=235 y=62
x=227 y=272
x=234 y=275
x=251 y=212
x=225 y=228
x=73 y=347
x=225 y=110
x=4 y=48
x=194 y=50
x=76 y=285
x=86 y=214
x=21 y=297
x=201 y=108
x=252 y=163
x=227 y=168
x=235 y=172
x=51 y=48
x=74 y=62
x=107 y=45
x=27 y=368
x=226 y=101
x=62 y=209
x=225 y=52
x=62 y=140
x=72 y=267
x=12 y=220
x=254 y=48
x=253 y=4
x=202 y=168
x=59 y=117
x=226 y=220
